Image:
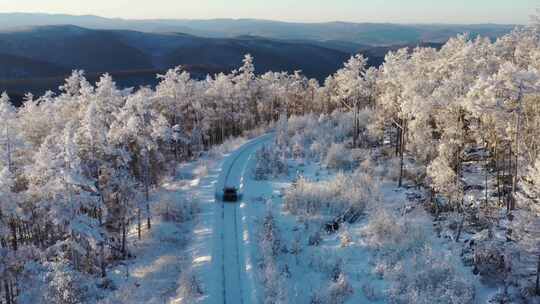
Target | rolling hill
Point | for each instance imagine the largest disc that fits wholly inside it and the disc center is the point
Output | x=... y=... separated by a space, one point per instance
x=16 y=67
x=39 y=58
x=69 y=47
x=73 y=47
x=360 y=33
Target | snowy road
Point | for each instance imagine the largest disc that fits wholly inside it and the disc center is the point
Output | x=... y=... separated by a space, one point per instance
x=233 y=268
x=218 y=250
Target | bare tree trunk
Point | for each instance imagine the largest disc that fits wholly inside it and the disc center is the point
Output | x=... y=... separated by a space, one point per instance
x=434 y=202
x=124 y=236
x=507 y=196
x=74 y=253
x=537 y=289
x=498 y=173
x=11 y=291
x=175 y=142
x=398 y=140
x=401 y=154
x=516 y=162
x=176 y=152
x=146 y=189
x=486 y=169
x=148 y=218
x=460 y=228
x=14 y=242
x=102 y=260
x=8 y=294
x=8 y=149
x=461 y=223
x=139 y=224
x=356 y=127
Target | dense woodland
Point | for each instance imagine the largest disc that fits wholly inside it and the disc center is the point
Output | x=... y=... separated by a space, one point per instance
x=76 y=168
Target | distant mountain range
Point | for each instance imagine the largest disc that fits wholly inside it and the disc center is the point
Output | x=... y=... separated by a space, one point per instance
x=37 y=51
x=340 y=32
x=38 y=58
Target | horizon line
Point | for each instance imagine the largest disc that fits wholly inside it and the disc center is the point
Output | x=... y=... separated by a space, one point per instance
x=149 y=19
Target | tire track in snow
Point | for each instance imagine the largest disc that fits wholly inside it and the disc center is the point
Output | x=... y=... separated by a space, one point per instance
x=223 y=253
x=232 y=297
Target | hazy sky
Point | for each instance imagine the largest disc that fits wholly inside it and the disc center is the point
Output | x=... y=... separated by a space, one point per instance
x=404 y=11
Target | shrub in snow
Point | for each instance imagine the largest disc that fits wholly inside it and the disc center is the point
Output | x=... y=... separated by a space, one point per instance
x=391 y=169
x=326 y=261
x=123 y=295
x=336 y=269
x=314 y=136
x=269 y=273
x=227 y=146
x=33 y=282
x=334 y=197
x=395 y=234
x=66 y=286
x=384 y=228
x=270 y=279
x=106 y=283
x=296 y=247
x=201 y=170
x=489 y=262
x=262 y=168
x=270 y=236
x=429 y=277
x=189 y=288
x=298 y=150
x=315 y=239
x=342 y=123
x=361 y=155
x=443 y=179
x=415 y=272
x=178 y=210
x=501 y=298
x=345 y=238
x=300 y=124
x=282 y=132
x=381 y=268
x=370 y=293
x=416 y=174
x=317 y=298
x=317 y=150
x=339 y=291
x=338 y=157
x=366 y=185
x=259 y=130
x=269 y=163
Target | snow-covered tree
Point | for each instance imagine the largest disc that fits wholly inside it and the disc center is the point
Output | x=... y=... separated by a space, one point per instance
x=139 y=129
x=354 y=88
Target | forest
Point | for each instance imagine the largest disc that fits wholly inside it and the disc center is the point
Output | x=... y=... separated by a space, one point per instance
x=460 y=124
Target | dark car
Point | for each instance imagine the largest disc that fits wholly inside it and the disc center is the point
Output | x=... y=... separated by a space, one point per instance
x=230 y=194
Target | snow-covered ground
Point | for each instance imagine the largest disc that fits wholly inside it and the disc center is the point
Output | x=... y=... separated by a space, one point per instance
x=216 y=257
x=368 y=269
x=208 y=250
x=175 y=252
x=216 y=251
